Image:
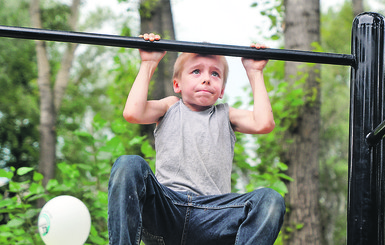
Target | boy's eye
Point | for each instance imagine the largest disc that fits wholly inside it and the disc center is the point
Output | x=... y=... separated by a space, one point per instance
x=196 y=71
x=215 y=74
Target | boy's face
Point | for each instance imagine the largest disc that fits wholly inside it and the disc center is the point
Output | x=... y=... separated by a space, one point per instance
x=201 y=82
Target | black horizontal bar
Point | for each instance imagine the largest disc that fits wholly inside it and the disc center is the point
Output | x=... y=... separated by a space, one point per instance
x=177 y=46
x=376 y=135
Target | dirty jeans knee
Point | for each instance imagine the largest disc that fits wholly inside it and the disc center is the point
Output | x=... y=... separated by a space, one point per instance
x=126 y=187
x=265 y=218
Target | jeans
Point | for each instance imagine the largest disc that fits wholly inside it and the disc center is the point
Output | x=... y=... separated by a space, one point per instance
x=140 y=208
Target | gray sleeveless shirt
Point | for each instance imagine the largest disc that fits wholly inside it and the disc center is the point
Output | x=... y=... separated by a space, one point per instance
x=194 y=150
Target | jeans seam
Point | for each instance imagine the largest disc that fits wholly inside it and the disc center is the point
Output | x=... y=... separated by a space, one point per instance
x=138 y=233
x=140 y=197
x=209 y=206
x=247 y=204
x=143 y=191
x=186 y=222
x=160 y=186
x=159 y=239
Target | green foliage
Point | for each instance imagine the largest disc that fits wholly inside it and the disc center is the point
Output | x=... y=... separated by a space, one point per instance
x=334 y=131
x=265 y=168
x=17 y=212
x=87 y=181
x=147 y=7
x=55 y=15
x=18 y=101
x=273 y=10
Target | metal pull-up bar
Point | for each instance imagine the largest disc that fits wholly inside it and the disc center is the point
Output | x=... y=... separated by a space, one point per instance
x=177 y=46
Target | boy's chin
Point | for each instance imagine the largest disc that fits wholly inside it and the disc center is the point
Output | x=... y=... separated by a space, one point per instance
x=206 y=102
x=199 y=105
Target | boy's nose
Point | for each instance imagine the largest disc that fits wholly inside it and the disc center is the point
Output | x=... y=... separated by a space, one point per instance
x=206 y=79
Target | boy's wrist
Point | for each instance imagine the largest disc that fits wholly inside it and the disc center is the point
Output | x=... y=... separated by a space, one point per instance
x=150 y=62
x=254 y=72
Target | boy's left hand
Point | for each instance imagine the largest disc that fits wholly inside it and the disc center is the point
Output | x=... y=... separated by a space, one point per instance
x=148 y=55
x=150 y=37
x=253 y=64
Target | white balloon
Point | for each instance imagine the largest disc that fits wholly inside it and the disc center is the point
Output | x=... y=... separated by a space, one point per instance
x=64 y=220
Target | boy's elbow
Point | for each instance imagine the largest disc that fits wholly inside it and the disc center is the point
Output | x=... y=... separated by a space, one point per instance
x=267 y=127
x=270 y=127
x=130 y=117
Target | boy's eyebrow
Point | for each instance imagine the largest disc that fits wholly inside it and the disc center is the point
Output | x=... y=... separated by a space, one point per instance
x=216 y=68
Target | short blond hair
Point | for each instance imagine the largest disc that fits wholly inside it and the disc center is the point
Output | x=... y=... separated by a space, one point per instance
x=183 y=57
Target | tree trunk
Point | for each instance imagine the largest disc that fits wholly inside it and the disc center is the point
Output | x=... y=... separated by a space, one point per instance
x=156 y=17
x=50 y=100
x=63 y=75
x=47 y=110
x=358 y=7
x=302 y=225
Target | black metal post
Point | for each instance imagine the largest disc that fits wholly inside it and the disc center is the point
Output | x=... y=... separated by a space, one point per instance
x=366 y=173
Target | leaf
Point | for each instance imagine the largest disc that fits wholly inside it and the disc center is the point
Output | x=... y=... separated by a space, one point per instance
x=286 y=177
x=147 y=149
x=98 y=122
x=299 y=226
x=282 y=166
x=51 y=184
x=118 y=127
x=103 y=197
x=6 y=174
x=15 y=222
x=85 y=137
x=137 y=140
x=37 y=176
x=32 y=212
x=111 y=145
x=6 y=202
x=24 y=170
x=36 y=188
x=280 y=187
x=84 y=166
x=15 y=186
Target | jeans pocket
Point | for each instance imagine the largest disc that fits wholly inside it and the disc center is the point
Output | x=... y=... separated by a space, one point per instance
x=150 y=239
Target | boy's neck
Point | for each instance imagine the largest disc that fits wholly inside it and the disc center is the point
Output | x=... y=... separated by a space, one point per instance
x=196 y=108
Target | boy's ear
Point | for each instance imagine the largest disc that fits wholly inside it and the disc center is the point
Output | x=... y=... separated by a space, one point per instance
x=176 y=86
x=222 y=93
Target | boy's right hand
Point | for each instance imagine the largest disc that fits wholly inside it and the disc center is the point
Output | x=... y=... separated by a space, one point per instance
x=152 y=56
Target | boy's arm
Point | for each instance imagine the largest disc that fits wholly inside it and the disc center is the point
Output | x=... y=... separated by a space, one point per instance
x=260 y=120
x=138 y=109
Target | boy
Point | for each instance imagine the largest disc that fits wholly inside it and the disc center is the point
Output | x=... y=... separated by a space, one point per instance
x=189 y=200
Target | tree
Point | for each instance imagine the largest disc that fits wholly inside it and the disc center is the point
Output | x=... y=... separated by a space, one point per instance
x=358 y=7
x=18 y=104
x=156 y=16
x=51 y=96
x=302 y=29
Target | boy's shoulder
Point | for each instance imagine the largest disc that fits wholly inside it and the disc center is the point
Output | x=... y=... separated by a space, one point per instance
x=170 y=100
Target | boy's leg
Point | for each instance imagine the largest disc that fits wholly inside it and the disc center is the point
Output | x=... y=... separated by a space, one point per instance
x=265 y=218
x=135 y=199
x=250 y=218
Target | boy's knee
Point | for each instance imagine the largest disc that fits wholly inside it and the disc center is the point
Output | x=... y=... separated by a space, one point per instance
x=273 y=200
x=127 y=167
